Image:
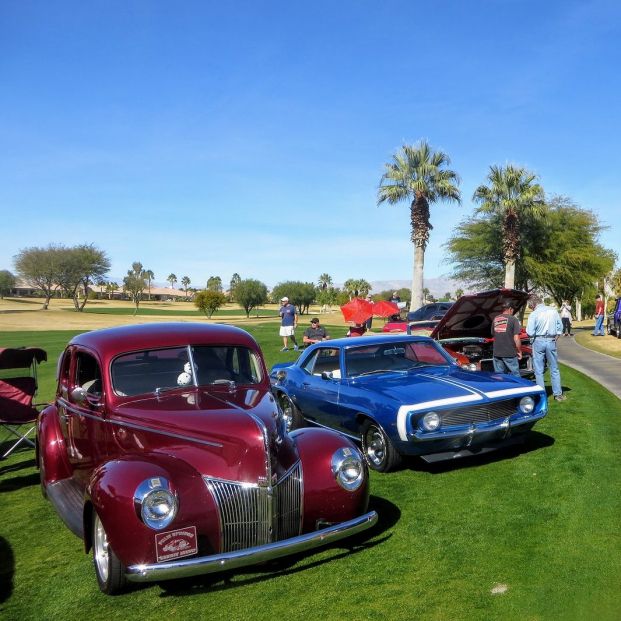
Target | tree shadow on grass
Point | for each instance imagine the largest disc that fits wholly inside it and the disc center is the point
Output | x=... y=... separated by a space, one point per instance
x=7 y=570
x=28 y=463
x=15 y=483
x=534 y=441
x=388 y=516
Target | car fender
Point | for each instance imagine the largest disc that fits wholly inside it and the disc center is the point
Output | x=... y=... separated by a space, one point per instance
x=51 y=449
x=110 y=493
x=325 y=501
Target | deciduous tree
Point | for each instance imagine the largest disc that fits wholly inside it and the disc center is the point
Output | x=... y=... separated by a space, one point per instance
x=208 y=302
x=250 y=293
x=7 y=282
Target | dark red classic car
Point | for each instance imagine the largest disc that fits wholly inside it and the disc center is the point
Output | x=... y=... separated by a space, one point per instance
x=166 y=452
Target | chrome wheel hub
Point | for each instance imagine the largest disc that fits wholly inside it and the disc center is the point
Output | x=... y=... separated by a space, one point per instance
x=376 y=446
x=100 y=546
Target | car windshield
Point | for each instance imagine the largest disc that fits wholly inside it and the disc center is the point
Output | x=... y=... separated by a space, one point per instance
x=156 y=370
x=393 y=357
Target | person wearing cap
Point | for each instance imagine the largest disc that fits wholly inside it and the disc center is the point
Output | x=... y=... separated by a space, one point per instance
x=288 y=323
x=315 y=333
x=507 y=344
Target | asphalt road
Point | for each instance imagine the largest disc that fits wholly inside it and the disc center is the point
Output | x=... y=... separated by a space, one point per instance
x=604 y=369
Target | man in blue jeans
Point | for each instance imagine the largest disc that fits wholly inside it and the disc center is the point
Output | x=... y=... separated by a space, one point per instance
x=544 y=327
x=599 y=316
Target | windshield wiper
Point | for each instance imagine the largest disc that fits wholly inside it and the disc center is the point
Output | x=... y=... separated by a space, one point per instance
x=381 y=371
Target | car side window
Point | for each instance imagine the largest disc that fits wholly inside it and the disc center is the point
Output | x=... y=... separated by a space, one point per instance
x=325 y=359
x=88 y=374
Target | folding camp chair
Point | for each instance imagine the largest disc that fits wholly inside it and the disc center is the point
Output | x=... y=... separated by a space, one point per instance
x=17 y=409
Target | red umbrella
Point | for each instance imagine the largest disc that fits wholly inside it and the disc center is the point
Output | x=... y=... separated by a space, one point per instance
x=383 y=308
x=357 y=310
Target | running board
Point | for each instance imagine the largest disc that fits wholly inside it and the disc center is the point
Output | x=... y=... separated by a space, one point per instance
x=68 y=500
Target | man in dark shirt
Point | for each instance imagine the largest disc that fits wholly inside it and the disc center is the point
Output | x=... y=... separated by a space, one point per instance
x=507 y=345
x=315 y=333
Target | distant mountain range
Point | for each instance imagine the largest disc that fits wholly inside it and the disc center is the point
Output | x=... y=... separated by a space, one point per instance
x=437 y=286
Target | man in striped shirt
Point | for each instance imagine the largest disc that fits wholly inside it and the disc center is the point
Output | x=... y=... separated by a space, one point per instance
x=544 y=327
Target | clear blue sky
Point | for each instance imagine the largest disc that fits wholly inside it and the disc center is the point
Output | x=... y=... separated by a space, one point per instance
x=207 y=138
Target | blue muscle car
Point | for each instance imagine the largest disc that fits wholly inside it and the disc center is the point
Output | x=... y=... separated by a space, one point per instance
x=404 y=395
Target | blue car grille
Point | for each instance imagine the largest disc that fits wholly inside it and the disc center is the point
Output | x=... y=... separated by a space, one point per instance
x=253 y=515
x=479 y=413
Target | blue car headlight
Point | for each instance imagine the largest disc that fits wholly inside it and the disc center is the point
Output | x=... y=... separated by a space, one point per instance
x=156 y=502
x=527 y=405
x=431 y=421
x=348 y=468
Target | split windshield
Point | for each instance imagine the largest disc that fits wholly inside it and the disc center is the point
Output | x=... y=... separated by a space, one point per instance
x=154 y=370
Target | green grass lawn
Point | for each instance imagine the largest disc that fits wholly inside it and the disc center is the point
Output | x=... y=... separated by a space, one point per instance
x=541 y=524
x=129 y=310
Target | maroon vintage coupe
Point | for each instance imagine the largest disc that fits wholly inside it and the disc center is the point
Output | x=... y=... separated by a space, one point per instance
x=166 y=452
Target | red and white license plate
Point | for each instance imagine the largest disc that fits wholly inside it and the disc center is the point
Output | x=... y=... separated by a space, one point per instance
x=176 y=544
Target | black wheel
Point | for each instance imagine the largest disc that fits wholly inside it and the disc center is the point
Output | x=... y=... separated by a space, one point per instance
x=109 y=570
x=618 y=329
x=292 y=413
x=378 y=450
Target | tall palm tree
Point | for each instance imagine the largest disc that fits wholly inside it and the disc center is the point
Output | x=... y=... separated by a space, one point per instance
x=512 y=194
x=149 y=275
x=172 y=279
x=185 y=281
x=419 y=174
x=324 y=281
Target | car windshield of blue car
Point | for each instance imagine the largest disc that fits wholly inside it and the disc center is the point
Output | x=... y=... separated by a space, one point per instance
x=157 y=370
x=393 y=357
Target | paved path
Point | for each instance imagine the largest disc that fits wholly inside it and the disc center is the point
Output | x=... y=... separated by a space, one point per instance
x=604 y=369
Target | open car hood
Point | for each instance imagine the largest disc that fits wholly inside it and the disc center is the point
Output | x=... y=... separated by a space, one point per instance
x=472 y=315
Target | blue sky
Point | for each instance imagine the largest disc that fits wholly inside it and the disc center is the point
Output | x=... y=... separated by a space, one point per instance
x=208 y=138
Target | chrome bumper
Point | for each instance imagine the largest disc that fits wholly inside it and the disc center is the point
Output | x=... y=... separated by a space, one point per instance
x=250 y=556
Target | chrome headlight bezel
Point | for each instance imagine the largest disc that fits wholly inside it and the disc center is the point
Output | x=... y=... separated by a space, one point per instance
x=156 y=502
x=527 y=405
x=348 y=468
x=469 y=366
x=431 y=421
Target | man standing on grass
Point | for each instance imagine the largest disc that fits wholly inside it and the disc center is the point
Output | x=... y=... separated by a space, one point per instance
x=544 y=327
x=599 y=316
x=507 y=345
x=288 y=323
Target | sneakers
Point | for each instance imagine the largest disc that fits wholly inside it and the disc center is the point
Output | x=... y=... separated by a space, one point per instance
x=295 y=348
x=285 y=349
x=560 y=397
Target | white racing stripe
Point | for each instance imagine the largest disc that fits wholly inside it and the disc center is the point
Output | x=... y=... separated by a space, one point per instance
x=404 y=410
x=512 y=391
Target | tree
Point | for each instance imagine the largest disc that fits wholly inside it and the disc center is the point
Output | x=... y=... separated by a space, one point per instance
x=149 y=276
x=208 y=302
x=326 y=297
x=214 y=283
x=185 y=281
x=250 y=293
x=172 y=279
x=235 y=279
x=420 y=175
x=324 y=281
x=458 y=293
x=357 y=287
x=300 y=294
x=511 y=193
x=134 y=284
x=38 y=266
x=426 y=295
x=78 y=267
x=7 y=282
x=111 y=287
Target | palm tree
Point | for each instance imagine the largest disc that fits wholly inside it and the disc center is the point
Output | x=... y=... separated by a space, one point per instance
x=324 y=281
x=426 y=295
x=149 y=275
x=511 y=194
x=172 y=279
x=420 y=174
x=185 y=281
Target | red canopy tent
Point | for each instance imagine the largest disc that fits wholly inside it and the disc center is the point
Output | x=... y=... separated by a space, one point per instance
x=384 y=308
x=357 y=310
x=17 y=394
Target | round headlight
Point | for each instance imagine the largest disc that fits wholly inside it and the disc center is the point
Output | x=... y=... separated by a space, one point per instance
x=348 y=468
x=431 y=421
x=527 y=405
x=469 y=366
x=157 y=503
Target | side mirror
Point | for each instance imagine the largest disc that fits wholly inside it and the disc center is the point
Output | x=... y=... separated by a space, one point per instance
x=327 y=375
x=78 y=395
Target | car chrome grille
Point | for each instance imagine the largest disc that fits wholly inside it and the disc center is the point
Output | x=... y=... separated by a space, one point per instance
x=479 y=413
x=253 y=515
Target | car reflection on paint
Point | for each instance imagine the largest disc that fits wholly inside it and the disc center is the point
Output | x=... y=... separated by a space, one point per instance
x=405 y=395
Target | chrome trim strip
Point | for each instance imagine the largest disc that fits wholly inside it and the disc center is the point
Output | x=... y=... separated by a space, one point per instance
x=170 y=434
x=250 y=556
